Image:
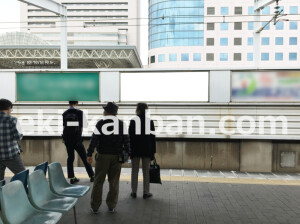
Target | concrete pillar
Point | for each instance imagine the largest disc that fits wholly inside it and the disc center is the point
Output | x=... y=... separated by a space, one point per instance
x=220 y=86
x=8 y=85
x=256 y=156
x=109 y=86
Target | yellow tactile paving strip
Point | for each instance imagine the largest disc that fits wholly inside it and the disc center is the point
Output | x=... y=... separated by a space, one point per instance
x=126 y=177
x=222 y=180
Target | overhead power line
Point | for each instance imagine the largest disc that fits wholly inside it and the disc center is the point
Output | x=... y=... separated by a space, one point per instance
x=131 y=25
x=125 y=19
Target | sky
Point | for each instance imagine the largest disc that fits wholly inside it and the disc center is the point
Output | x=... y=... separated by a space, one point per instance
x=10 y=18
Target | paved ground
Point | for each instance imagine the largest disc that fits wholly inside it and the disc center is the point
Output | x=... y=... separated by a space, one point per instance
x=201 y=197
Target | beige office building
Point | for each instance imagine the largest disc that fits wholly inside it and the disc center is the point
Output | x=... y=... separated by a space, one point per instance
x=92 y=22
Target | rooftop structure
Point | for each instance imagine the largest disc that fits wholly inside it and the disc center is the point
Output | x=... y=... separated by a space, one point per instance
x=24 y=50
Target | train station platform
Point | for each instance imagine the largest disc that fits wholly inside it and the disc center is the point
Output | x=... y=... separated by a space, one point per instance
x=197 y=196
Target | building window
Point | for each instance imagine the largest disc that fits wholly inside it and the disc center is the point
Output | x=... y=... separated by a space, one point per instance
x=210 y=41
x=265 y=56
x=224 y=11
x=279 y=40
x=197 y=57
x=250 y=10
x=223 y=57
x=184 y=57
x=224 y=41
x=294 y=10
x=237 y=56
x=210 y=10
x=267 y=27
x=250 y=25
x=186 y=28
x=293 y=41
x=237 y=41
x=210 y=26
x=237 y=26
x=152 y=59
x=250 y=57
x=278 y=56
x=266 y=10
x=224 y=26
x=265 y=41
x=210 y=57
x=238 y=10
x=293 y=56
x=279 y=25
x=293 y=25
x=172 y=57
x=161 y=58
x=250 y=41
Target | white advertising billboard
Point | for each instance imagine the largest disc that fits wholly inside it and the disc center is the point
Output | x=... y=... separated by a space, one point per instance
x=165 y=86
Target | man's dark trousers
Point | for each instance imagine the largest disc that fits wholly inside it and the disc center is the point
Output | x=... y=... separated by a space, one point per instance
x=15 y=165
x=79 y=147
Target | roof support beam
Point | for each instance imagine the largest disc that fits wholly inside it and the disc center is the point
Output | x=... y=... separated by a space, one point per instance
x=49 y=5
x=260 y=4
x=60 y=10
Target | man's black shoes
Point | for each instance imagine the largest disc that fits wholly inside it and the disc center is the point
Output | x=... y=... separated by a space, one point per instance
x=74 y=180
x=111 y=210
x=133 y=195
x=92 y=179
x=148 y=195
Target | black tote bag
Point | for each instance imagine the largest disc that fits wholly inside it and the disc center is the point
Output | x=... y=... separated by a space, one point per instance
x=155 y=173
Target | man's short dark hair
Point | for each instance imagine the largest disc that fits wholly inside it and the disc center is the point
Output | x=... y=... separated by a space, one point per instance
x=73 y=102
x=5 y=104
x=142 y=107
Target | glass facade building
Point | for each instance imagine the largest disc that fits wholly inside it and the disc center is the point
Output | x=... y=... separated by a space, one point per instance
x=176 y=23
x=201 y=33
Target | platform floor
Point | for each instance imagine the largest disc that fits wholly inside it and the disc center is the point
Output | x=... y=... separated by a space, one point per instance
x=199 y=197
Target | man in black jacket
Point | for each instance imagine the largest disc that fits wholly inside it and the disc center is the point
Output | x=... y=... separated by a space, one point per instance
x=73 y=121
x=110 y=140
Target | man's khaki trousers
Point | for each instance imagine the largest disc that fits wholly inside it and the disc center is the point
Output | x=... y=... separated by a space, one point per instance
x=106 y=164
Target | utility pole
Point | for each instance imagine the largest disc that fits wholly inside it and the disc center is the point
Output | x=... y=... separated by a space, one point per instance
x=258 y=6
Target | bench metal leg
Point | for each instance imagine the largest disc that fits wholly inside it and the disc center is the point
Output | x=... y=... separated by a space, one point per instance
x=75 y=217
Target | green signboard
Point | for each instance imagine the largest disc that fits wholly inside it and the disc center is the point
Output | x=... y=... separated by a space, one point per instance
x=57 y=86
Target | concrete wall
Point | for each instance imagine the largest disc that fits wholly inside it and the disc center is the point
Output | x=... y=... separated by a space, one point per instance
x=170 y=154
x=246 y=156
x=198 y=155
x=256 y=156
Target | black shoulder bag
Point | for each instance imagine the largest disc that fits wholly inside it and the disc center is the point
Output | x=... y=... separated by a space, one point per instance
x=155 y=173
